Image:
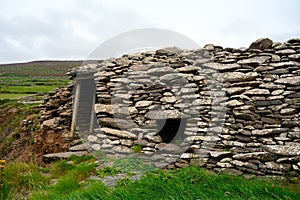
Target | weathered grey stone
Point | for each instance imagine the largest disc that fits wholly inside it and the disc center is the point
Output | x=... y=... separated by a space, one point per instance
x=188 y=156
x=171 y=77
x=121 y=149
x=52 y=122
x=263 y=68
x=271 y=86
x=239 y=76
x=233 y=143
x=202 y=138
x=269 y=131
x=275 y=166
x=160 y=70
x=202 y=102
x=92 y=138
x=126 y=142
x=219 y=154
x=284 y=64
x=79 y=147
x=64 y=155
x=277 y=92
x=186 y=69
x=238 y=163
x=171 y=99
x=283 y=150
x=254 y=60
x=295 y=80
x=285 y=52
x=224 y=165
x=268 y=102
x=257 y=92
x=262 y=43
x=244 y=116
x=234 y=103
x=167 y=114
x=119 y=133
x=222 y=67
x=116 y=123
x=263 y=156
x=151 y=138
x=287 y=111
x=96 y=147
x=235 y=90
x=140 y=104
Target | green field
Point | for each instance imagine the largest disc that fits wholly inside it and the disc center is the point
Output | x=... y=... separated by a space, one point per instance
x=19 y=80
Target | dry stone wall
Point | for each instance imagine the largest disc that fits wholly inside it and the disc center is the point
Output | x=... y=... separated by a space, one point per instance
x=231 y=110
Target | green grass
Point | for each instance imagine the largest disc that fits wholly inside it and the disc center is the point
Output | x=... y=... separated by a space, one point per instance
x=189 y=183
x=19 y=179
x=20 y=86
x=12 y=96
x=32 y=89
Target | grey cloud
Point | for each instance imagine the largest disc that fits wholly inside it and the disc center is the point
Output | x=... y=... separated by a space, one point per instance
x=59 y=34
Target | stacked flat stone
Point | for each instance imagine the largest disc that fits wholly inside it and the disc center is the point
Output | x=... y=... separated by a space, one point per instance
x=56 y=112
x=239 y=108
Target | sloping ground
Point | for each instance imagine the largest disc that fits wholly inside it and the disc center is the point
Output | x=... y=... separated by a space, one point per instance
x=20 y=136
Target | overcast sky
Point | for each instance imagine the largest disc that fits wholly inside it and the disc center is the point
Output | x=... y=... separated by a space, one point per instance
x=72 y=29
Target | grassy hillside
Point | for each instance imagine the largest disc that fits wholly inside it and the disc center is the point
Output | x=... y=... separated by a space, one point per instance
x=38 y=68
x=23 y=79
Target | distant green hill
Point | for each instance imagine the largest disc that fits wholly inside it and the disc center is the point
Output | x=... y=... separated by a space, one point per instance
x=21 y=79
x=38 y=68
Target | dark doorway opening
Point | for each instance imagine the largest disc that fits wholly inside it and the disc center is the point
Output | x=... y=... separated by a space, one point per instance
x=171 y=129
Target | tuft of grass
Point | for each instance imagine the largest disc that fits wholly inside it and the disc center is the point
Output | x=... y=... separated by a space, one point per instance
x=107 y=171
x=19 y=179
x=60 y=168
x=70 y=182
x=79 y=159
x=137 y=148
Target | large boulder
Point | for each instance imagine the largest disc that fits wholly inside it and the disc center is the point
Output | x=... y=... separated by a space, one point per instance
x=262 y=43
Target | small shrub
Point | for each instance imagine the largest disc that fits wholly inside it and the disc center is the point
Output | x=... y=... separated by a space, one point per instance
x=60 y=168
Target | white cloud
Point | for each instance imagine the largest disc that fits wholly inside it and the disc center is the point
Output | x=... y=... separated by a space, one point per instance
x=71 y=29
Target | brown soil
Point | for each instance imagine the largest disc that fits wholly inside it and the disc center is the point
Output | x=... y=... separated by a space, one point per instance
x=29 y=145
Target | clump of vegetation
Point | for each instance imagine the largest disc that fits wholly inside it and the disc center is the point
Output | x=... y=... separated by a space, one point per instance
x=137 y=148
x=19 y=179
x=79 y=159
x=107 y=171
